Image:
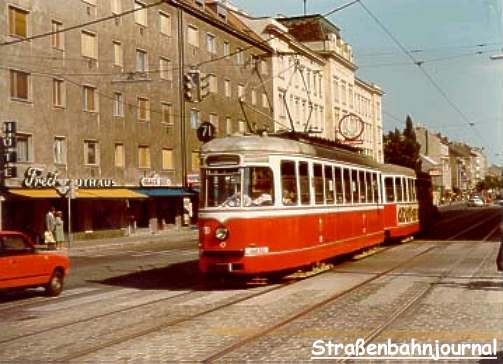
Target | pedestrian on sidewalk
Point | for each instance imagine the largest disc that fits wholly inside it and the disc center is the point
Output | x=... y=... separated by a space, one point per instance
x=59 y=233
x=50 y=226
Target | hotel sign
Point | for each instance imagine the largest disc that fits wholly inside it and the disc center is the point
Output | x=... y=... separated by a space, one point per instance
x=9 y=153
x=34 y=178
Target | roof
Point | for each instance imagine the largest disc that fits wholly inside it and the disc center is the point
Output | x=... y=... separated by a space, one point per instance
x=388 y=168
x=310 y=28
x=280 y=145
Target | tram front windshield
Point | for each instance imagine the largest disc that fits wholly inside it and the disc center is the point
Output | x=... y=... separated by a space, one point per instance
x=238 y=187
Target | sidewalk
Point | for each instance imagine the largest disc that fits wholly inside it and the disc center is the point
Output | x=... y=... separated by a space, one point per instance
x=143 y=237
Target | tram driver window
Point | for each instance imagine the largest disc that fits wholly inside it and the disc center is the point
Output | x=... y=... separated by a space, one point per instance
x=288 y=183
x=305 y=194
x=390 y=192
x=258 y=186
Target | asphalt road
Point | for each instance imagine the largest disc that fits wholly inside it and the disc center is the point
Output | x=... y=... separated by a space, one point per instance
x=147 y=303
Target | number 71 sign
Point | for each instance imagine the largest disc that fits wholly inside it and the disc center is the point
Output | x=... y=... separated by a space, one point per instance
x=206 y=132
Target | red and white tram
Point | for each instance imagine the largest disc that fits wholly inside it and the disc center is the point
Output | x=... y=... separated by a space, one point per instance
x=270 y=204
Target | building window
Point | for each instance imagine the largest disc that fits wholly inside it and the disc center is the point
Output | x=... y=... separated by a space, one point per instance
x=193 y=36
x=253 y=97
x=194 y=118
x=211 y=43
x=242 y=126
x=57 y=39
x=228 y=126
x=115 y=6
x=91 y=152
x=239 y=56
x=118 y=104
x=18 y=22
x=263 y=67
x=167 y=159
x=119 y=157
x=24 y=148
x=241 y=91
x=165 y=69
x=19 y=85
x=88 y=41
x=265 y=102
x=167 y=113
x=143 y=156
x=213 y=84
x=140 y=16
x=58 y=93
x=89 y=98
x=195 y=160
x=118 y=54
x=59 y=150
x=227 y=49
x=143 y=109
x=165 y=24
x=141 y=61
x=214 y=121
x=227 y=88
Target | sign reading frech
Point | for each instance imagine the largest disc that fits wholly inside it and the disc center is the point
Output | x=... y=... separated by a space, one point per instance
x=34 y=179
x=9 y=153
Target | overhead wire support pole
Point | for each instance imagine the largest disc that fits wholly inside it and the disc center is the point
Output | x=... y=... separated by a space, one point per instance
x=181 y=96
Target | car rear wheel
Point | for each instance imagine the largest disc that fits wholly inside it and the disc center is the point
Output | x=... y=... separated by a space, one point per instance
x=55 y=285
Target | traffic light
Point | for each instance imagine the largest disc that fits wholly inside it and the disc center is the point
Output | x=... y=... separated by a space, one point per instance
x=204 y=89
x=191 y=85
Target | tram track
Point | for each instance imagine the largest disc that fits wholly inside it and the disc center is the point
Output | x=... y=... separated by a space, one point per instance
x=157 y=327
x=181 y=320
x=332 y=299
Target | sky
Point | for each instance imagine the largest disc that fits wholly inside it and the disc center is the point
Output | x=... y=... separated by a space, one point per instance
x=465 y=100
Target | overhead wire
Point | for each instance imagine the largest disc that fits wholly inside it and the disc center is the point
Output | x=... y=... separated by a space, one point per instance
x=419 y=64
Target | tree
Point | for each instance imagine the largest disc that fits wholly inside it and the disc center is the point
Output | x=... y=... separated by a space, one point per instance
x=403 y=148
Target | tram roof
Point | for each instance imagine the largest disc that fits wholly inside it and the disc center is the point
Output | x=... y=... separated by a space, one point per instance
x=389 y=168
x=278 y=145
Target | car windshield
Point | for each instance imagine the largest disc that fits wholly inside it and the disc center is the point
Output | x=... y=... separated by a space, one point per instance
x=238 y=187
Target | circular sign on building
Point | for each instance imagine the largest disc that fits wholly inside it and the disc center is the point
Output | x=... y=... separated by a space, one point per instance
x=351 y=127
x=206 y=132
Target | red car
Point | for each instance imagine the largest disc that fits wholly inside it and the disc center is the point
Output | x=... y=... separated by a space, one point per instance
x=22 y=265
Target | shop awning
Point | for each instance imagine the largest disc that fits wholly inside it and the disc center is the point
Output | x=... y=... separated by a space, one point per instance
x=35 y=193
x=165 y=192
x=109 y=193
x=82 y=193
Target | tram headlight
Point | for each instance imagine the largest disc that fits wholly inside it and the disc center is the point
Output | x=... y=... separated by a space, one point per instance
x=221 y=233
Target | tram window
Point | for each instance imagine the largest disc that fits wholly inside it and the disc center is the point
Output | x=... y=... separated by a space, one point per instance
x=363 y=188
x=288 y=183
x=222 y=187
x=368 y=185
x=407 y=189
x=399 y=189
x=318 y=184
x=329 y=185
x=347 y=186
x=354 y=185
x=305 y=194
x=258 y=186
x=414 y=188
x=390 y=192
x=375 y=188
x=411 y=190
x=338 y=186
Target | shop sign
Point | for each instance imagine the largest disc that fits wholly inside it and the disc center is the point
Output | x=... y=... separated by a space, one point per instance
x=155 y=181
x=9 y=154
x=193 y=179
x=34 y=179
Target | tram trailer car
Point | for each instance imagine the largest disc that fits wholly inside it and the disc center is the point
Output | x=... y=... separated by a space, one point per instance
x=271 y=204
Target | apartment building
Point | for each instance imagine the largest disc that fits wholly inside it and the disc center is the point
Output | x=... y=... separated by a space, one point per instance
x=102 y=105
